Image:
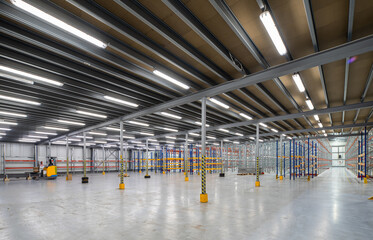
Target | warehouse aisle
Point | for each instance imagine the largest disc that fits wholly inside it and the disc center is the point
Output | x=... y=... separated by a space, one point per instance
x=332 y=206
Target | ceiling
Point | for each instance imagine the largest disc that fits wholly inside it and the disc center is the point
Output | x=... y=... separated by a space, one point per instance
x=195 y=42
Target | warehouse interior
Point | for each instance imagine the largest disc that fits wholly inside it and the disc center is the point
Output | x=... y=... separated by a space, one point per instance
x=186 y=119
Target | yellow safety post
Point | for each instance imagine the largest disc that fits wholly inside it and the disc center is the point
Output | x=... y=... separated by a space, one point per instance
x=365 y=180
x=147 y=160
x=257 y=182
x=121 y=184
x=203 y=196
x=103 y=160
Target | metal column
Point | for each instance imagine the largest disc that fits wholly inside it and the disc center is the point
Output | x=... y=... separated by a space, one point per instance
x=84 y=178
x=257 y=182
x=67 y=159
x=186 y=165
x=147 y=159
x=121 y=184
x=203 y=195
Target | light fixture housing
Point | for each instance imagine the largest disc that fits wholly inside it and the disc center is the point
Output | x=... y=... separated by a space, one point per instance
x=298 y=82
x=274 y=130
x=114 y=129
x=12 y=77
x=200 y=124
x=170 y=129
x=20 y=100
x=273 y=32
x=263 y=125
x=7 y=123
x=146 y=134
x=29 y=75
x=309 y=104
x=217 y=102
x=56 y=128
x=97 y=133
x=12 y=114
x=71 y=122
x=223 y=130
x=246 y=116
x=121 y=101
x=45 y=133
x=316 y=117
x=5 y=129
x=58 y=23
x=91 y=114
x=139 y=123
x=170 y=79
x=171 y=115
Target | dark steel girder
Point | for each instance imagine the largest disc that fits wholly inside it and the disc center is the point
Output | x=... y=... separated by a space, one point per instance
x=355 y=47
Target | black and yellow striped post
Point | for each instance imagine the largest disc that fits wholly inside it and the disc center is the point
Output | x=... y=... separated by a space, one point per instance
x=121 y=183
x=257 y=182
x=84 y=178
x=203 y=195
x=186 y=162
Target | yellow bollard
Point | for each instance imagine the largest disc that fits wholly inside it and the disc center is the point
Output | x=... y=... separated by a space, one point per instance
x=257 y=183
x=203 y=198
x=186 y=179
x=281 y=177
x=365 y=180
x=121 y=186
x=103 y=173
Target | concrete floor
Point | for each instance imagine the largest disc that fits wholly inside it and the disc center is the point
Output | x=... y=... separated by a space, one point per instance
x=332 y=206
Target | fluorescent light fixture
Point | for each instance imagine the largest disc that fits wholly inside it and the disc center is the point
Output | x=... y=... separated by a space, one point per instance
x=246 y=116
x=97 y=141
x=270 y=26
x=146 y=134
x=235 y=142
x=170 y=79
x=260 y=140
x=112 y=139
x=74 y=139
x=190 y=140
x=263 y=125
x=29 y=75
x=135 y=141
x=320 y=124
x=152 y=140
x=46 y=133
x=289 y=138
x=194 y=134
x=58 y=23
x=200 y=124
x=274 y=130
x=56 y=128
x=87 y=144
x=19 y=100
x=216 y=144
x=38 y=137
x=97 y=133
x=91 y=114
x=114 y=129
x=28 y=140
x=309 y=104
x=169 y=137
x=239 y=134
x=8 y=123
x=226 y=140
x=128 y=137
x=71 y=122
x=223 y=130
x=217 y=102
x=2 y=133
x=12 y=114
x=140 y=145
x=283 y=135
x=170 y=142
x=252 y=138
x=170 y=129
x=8 y=76
x=209 y=137
x=121 y=101
x=316 y=117
x=323 y=131
x=5 y=129
x=87 y=137
x=325 y=134
x=139 y=123
x=298 y=82
x=171 y=115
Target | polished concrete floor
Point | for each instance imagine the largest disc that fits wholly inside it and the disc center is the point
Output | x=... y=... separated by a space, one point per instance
x=332 y=206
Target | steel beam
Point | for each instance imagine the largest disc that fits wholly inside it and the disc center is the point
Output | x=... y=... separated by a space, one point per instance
x=362 y=98
x=355 y=47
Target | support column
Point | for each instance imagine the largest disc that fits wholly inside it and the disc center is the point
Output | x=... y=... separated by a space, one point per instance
x=365 y=156
x=277 y=159
x=68 y=176
x=103 y=160
x=164 y=150
x=203 y=195
x=126 y=160
x=222 y=174
x=308 y=159
x=186 y=165
x=281 y=157
x=257 y=182
x=121 y=184
x=84 y=178
x=147 y=159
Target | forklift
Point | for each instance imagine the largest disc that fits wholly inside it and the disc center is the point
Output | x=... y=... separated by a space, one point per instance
x=52 y=168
